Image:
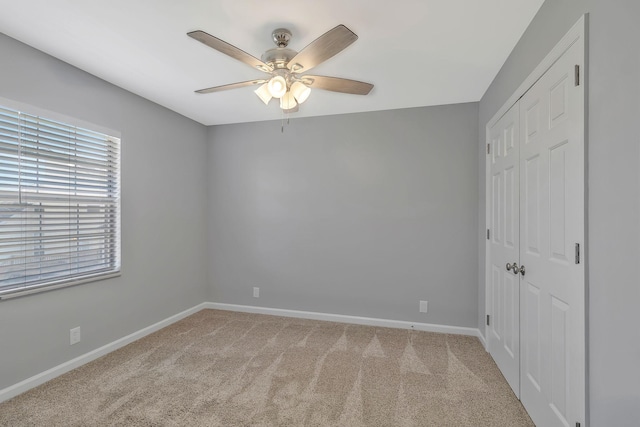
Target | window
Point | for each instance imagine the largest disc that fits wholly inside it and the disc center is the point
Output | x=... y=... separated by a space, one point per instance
x=59 y=204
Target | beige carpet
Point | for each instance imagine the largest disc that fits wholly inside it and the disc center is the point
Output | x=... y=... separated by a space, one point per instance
x=218 y=368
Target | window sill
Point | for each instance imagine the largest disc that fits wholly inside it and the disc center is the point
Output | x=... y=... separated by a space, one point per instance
x=50 y=286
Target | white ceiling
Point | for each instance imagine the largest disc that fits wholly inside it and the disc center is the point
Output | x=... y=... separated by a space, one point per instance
x=415 y=52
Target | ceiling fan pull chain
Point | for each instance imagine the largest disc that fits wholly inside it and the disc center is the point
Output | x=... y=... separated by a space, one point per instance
x=282 y=120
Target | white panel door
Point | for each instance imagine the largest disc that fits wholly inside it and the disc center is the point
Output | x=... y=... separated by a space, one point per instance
x=551 y=224
x=504 y=295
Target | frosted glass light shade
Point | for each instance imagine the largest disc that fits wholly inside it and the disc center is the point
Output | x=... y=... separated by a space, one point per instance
x=300 y=91
x=277 y=86
x=288 y=102
x=263 y=93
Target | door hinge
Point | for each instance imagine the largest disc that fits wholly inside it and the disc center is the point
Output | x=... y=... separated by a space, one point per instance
x=577 y=75
x=488 y=234
x=488 y=320
x=488 y=148
x=577 y=253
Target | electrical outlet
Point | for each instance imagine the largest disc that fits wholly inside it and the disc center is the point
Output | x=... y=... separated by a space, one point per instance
x=423 y=306
x=256 y=292
x=74 y=336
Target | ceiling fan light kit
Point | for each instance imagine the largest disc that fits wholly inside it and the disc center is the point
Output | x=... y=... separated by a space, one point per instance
x=300 y=91
x=288 y=102
x=264 y=94
x=286 y=65
x=277 y=86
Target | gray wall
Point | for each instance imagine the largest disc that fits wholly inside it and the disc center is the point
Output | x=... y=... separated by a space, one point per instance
x=163 y=219
x=613 y=250
x=360 y=214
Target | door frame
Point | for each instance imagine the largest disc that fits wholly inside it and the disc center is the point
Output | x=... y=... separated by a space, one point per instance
x=577 y=34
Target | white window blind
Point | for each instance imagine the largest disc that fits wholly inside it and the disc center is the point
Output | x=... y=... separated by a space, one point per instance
x=59 y=204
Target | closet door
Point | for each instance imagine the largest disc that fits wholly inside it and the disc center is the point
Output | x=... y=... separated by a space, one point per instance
x=552 y=224
x=504 y=295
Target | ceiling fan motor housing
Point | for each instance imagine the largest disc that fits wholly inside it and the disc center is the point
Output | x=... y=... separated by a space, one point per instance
x=278 y=57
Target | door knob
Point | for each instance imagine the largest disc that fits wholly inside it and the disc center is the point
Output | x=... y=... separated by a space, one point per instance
x=521 y=270
x=513 y=266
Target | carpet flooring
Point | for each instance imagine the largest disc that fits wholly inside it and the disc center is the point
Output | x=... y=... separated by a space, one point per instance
x=220 y=368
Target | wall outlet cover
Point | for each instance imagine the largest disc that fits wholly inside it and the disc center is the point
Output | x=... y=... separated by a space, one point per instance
x=423 y=306
x=74 y=335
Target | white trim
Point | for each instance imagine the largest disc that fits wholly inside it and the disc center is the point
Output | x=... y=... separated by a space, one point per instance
x=342 y=318
x=50 y=286
x=487 y=242
x=483 y=340
x=41 y=378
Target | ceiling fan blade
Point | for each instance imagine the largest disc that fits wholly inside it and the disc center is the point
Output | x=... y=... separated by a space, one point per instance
x=337 y=84
x=322 y=48
x=231 y=86
x=230 y=50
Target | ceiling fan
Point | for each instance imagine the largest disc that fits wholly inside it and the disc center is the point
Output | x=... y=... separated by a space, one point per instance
x=286 y=66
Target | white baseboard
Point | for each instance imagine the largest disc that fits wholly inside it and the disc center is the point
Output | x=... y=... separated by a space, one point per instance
x=483 y=340
x=36 y=380
x=357 y=320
